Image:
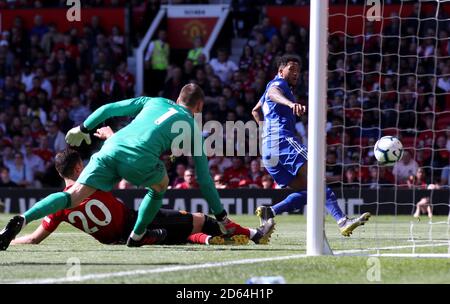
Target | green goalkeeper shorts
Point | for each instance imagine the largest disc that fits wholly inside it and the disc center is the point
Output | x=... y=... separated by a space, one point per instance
x=104 y=172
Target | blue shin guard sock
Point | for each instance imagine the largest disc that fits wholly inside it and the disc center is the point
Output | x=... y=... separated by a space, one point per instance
x=297 y=200
x=332 y=205
x=150 y=205
x=294 y=201
x=49 y=205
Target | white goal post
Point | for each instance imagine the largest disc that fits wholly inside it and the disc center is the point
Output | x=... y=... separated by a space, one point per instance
x=315 y=235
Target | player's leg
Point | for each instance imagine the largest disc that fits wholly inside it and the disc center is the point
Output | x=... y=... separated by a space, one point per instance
x=98 y=174
x=291 y=171
x=148 y=209
x=260 y=235
x=345 y=224
x=58 y=201
x=49 y=205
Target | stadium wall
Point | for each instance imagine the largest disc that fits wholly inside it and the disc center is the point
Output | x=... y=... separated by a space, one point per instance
x=245 y=201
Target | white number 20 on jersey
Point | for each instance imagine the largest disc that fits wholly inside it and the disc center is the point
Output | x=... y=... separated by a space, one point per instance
x=88 y=209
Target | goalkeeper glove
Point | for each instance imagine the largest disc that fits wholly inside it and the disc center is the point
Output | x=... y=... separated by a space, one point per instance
x=76 y=135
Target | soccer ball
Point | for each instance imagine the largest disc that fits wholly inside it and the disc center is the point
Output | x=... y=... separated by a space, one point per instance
x=388 y=150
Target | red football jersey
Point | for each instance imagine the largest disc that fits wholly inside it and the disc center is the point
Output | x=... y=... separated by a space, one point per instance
x=100 y=215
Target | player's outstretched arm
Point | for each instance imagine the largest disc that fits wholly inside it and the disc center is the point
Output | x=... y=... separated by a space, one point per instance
x=128 y=107
x=204 y=179
x=36 y=237
x=206 y=184
x=276 y=95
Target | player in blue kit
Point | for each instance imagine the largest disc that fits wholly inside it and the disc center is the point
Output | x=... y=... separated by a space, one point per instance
x=284 y=157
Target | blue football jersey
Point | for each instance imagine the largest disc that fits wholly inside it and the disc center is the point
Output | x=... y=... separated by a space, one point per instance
x=279 y=120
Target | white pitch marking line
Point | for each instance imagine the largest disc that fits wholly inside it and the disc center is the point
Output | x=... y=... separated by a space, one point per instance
x=157 y=270
x=214 y=265
x=350 y=251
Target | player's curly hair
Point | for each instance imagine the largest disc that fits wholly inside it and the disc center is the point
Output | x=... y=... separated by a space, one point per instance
x=66 y=161
x=285 y=59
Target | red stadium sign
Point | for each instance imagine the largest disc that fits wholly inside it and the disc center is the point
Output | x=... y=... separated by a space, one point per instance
x=186 y=22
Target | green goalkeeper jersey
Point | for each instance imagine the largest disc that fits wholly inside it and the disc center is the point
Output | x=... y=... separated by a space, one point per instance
x=157 y=123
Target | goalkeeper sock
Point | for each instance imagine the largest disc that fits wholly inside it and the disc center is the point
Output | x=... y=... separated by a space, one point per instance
x=150 y=205
x=221 y=216
x=49 y=205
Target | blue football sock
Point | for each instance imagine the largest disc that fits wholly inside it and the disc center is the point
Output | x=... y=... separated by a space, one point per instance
x=332 y=205
x=294 y=201
x=297 y=200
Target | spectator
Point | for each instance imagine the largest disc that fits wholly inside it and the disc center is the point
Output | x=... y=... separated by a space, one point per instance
x=246 y=60
x=255 y=174
x=179 y=178
x=219 y=181
x=333 y=171
x=39 y=28
x=404 y=168
x=10 y=93
x=174 y=84
x=267 y=182
x=46 y=85
x=196 y=51
x=44 y=152
x=5 y=179
x=64 y=122
x=189 y=181
x=27 y=76
x=36 y=111
x=222 y=66
x=125 y=79
x=350 y=178
x=35 y=163
x=62 y=63
x=267 y=29
x=157 y=60
x=79 y=112
x=8 y=156
x=424 y=206
x=444 y=80
x=110 y=88
x=19 y=172
x=236 y=173
x=56 y=138
x=417 y=181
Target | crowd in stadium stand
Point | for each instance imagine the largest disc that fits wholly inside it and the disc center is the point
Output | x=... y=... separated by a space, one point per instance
x=51 y=81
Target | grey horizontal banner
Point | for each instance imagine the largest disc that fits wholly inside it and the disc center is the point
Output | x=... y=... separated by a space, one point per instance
x=245 y=201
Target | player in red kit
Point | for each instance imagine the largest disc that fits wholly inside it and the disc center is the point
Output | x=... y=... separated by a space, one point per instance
x=109 y=221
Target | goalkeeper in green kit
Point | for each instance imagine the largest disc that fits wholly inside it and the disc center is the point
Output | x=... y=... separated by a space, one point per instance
x=133 y=153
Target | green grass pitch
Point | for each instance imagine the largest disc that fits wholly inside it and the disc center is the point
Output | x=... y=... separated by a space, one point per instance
x=56 y=259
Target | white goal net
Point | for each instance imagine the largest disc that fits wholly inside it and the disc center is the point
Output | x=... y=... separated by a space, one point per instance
x=389 y=74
